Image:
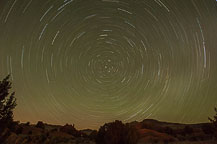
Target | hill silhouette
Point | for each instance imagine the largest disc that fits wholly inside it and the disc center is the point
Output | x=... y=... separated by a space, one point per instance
x=147 y=131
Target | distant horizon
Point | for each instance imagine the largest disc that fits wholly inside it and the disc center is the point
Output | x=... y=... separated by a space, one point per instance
x=34 y=123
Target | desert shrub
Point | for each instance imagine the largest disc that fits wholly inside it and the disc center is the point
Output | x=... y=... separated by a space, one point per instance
x=40 y=124
x=116 y=133
x=27 y=123
x=214 y=123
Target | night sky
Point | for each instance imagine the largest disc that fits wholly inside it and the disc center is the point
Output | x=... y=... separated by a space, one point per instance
x=89 y=62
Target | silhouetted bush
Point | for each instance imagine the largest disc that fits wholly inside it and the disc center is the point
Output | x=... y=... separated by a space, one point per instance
x=27 y=123
x=40 y=124
x=116 y=133
x=214 y=123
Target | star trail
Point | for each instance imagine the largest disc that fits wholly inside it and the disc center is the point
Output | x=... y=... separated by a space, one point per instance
x=89 y=62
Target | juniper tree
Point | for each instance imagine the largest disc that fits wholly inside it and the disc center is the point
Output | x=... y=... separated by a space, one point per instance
x=7 y=103
x=117 y=133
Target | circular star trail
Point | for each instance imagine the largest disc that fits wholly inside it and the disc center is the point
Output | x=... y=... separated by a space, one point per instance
x=93 y=61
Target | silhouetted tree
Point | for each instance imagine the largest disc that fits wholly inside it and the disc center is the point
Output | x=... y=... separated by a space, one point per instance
x=7 y=103
x=40 y=124
x=214 y=122
x=132 y=134
x=116 y=133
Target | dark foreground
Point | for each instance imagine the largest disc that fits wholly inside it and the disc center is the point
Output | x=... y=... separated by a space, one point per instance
x=145 y=132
